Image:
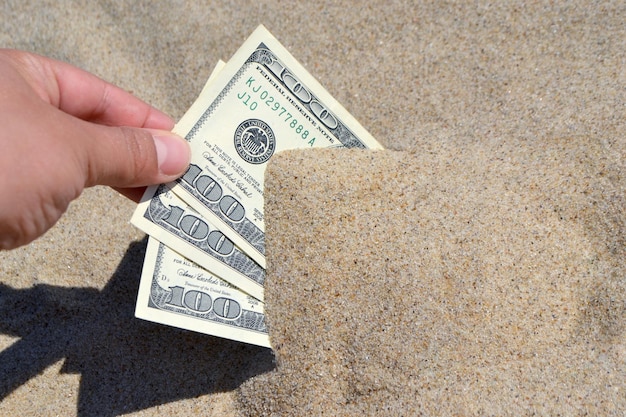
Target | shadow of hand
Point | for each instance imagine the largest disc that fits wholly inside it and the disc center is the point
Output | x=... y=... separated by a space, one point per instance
x=126 y=364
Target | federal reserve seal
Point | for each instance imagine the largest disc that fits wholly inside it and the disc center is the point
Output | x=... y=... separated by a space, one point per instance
x=255 y=141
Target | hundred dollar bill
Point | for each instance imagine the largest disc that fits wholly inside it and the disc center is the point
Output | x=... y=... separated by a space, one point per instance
x=171 y=221
x=263 y=101
x=177 y=292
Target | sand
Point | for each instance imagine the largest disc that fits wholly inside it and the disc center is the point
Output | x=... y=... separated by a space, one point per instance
x=445 y=283
x=504 y=288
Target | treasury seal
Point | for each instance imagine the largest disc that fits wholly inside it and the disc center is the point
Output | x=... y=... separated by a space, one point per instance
x=255 y=141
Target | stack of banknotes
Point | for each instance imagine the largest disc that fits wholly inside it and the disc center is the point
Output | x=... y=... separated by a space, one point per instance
x=204 y=268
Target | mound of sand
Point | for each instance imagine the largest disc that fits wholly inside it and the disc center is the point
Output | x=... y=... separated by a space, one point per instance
x=453 y=282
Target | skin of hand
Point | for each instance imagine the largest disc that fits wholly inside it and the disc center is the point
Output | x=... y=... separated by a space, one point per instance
x=63 y=129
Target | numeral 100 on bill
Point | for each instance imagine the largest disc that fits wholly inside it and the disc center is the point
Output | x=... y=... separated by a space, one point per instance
x=201 y=302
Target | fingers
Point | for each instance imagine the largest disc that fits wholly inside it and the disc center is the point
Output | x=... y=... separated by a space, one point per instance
x=61 y=132
x=116 y=139
x=84 y=95
x=119 y=156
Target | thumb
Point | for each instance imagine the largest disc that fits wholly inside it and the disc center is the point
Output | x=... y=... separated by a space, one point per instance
x=126 y=157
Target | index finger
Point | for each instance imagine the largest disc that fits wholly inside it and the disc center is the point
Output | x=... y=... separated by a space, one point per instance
x=88 y=97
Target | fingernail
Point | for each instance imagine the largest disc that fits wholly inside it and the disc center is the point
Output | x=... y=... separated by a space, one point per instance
x=173 y=152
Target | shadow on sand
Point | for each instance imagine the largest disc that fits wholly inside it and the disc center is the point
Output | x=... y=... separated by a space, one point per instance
x=126 y=364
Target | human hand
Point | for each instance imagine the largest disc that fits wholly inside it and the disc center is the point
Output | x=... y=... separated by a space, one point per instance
x=63 y=129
